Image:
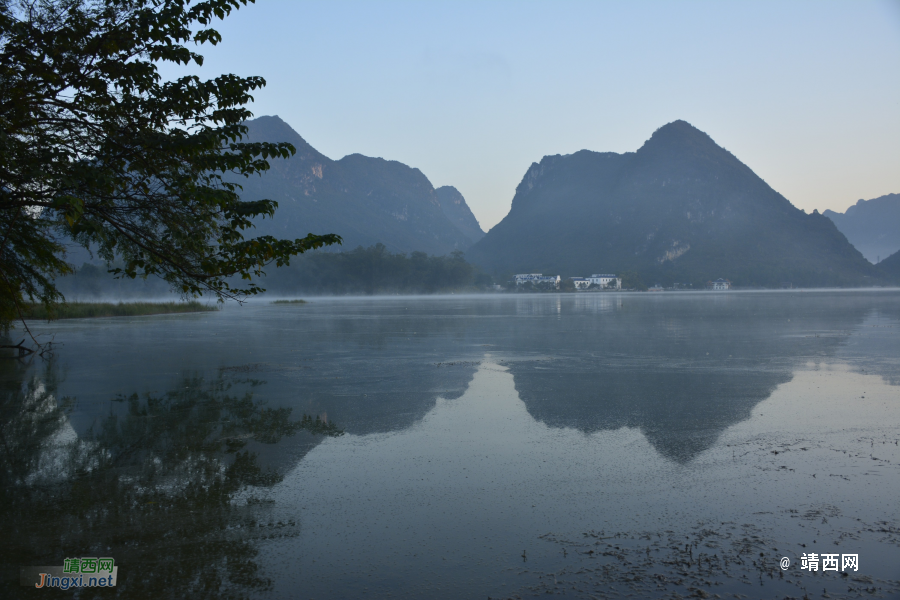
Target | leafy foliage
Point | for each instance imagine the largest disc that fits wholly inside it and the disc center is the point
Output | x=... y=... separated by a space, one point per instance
x=97 y=148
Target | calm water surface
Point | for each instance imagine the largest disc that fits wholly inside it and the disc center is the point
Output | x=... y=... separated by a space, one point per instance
x=590 y=445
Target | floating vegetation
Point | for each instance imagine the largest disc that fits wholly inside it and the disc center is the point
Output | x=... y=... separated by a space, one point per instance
x=248 y=368
x=88 y=310
x=712 y=560
x=459 y=363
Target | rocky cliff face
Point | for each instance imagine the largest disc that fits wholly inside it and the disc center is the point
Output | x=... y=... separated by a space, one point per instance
x=680 y=209
x=455 y=208
x=872 y=226
x=364 y=200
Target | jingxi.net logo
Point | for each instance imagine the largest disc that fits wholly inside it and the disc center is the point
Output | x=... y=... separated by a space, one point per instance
x=75 y=573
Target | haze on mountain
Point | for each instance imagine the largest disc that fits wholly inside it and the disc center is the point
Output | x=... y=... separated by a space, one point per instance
x=872 y=226
x=364 y=200
x=680 y=209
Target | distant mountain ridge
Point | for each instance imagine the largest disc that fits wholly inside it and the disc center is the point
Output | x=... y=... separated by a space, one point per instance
x=364 y=200
x=872 y=226
x=680 y=209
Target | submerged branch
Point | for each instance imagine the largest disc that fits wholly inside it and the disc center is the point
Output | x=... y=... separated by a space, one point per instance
x=23 y=350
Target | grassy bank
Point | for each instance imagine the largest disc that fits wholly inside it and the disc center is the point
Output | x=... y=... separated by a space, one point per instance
x=87 y=310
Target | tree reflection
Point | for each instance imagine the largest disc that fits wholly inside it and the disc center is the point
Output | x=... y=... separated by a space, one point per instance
x=164 y=485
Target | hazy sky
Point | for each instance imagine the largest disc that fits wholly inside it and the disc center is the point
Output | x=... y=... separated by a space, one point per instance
x=807 y=94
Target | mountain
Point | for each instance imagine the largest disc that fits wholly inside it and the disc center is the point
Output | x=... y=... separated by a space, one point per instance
x=873 y=226
x=364 y=200
x=680 y=209
x=455 y=208
x=890 y=267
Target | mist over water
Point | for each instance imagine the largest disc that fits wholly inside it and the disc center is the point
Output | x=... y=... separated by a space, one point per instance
x=493 y=446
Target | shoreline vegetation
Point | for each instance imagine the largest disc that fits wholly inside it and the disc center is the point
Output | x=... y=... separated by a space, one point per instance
x=92 y=310
x=294 y=301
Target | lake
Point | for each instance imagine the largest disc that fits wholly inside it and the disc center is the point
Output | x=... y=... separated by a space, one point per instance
x=590 y=445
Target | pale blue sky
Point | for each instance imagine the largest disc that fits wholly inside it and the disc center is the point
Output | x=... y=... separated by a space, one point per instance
x=805 y=93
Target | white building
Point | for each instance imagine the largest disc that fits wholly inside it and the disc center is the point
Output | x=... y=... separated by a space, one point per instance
x=719 y=284
x=603 y=280
x=581 y=283
x=536 y=278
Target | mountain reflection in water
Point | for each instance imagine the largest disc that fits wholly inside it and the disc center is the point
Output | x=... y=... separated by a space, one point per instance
x=162 y=441
x=680 y=367
x=680 y=371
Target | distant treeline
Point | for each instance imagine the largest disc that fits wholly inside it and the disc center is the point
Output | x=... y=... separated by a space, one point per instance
x=87 y=310
x=375 y=270
x=363 y=271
